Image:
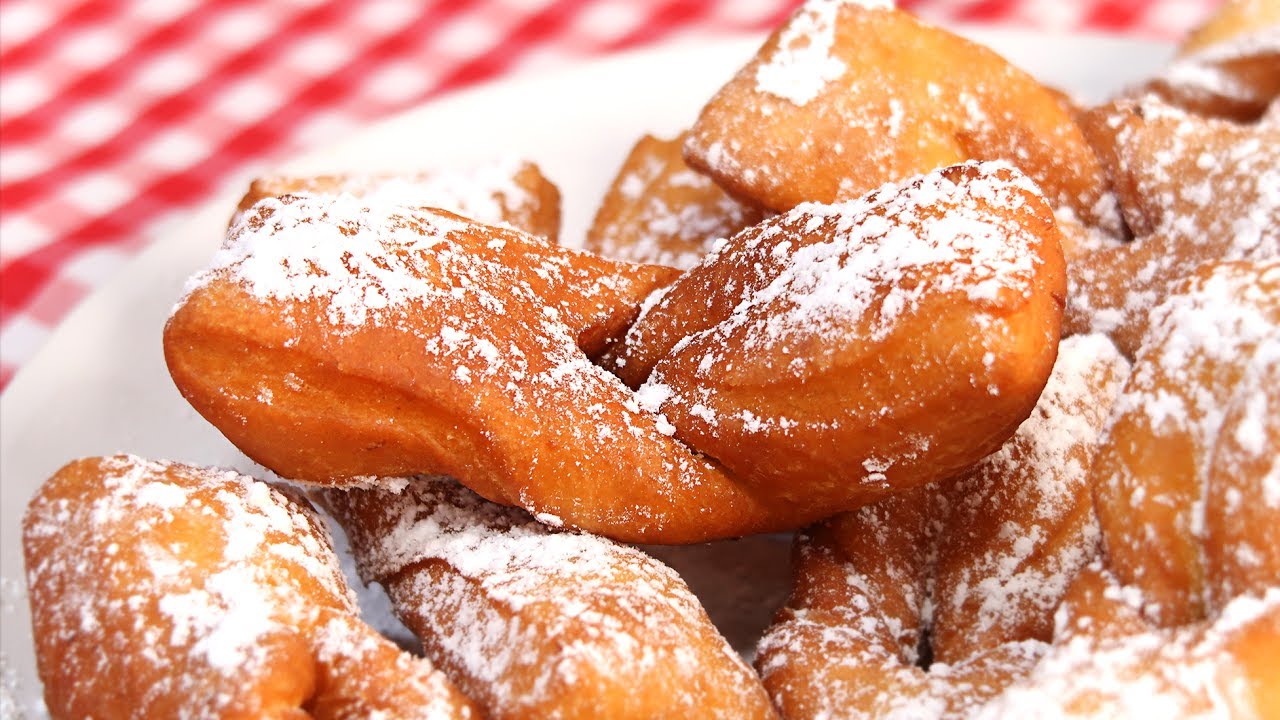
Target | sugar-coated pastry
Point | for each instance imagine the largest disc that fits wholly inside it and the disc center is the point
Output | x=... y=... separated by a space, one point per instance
x=1228 y=67
x=1185 y=481
x=850 y=94
x=661 y=212
x=1020 y=525
x=848 y=643
x=1181 y=177
x=932 y=601
x=1193 y=190
x=331 y=341
x=532 y=621
x=1109 y=660
x=336 y=339
x=164 y=590
x=835 y=352
x=514 y=194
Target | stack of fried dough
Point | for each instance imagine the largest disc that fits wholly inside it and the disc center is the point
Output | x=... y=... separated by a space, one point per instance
x=1009 y=367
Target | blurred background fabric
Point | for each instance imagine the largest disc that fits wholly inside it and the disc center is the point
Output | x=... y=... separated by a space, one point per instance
x=118 y=116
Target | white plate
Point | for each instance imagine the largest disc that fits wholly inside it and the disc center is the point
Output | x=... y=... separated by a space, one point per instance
x=99 y=385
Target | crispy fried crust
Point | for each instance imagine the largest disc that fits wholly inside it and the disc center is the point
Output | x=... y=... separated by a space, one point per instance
x=659 y=211
x=517 y=195
x=1229 y=67
x=966 y=572
x=1193 y=190
x=847 y=96
x=470 y=361
x=331 y=344
x=161 y=590
x=537 y=622
x=836 y=352
x=1181 y=480
x=1109 y=660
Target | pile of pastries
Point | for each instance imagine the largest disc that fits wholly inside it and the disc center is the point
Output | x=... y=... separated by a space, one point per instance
x=1009 y=367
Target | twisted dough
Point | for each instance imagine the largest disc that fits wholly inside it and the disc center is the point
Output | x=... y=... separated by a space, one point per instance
x=1186 y=481
x=965 y=574
x=336 y=339
x=514 y=194
x=1193 y=190
x=161 y=590
x=536 y=622
x=833 y=353
x=847 y=95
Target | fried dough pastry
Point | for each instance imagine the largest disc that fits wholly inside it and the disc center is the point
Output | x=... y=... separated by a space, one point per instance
x=336 y=339
x=163 y=590
x=1000 y=573
x=1193 y=190
x=849 y=95
x=1232 y=20
x=532 y=621
x=1108 y=660
x=1185 y=482
x=848 y=642
x=835 y=352
x=1230 y=66
x=511 y=194
x=966 y=573
x=659 y=211
x=332 y=342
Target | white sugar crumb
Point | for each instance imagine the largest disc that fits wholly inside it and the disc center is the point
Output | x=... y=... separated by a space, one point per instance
x=866 y=266
x=340 y=248
x=486 y=192
x=650 y=396
x=163 y=495
x=547 y=518
x=1158 y=673
x=802 y=65
x=601 y=607
x=258 y=556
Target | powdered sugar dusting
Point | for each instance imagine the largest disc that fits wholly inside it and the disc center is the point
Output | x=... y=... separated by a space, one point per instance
x=1185 y=672
x=1198 y=190
x=118 y=572
x=802 y=64
x=1214 y=71
x=846 y=645
x=363 y=255
x=976 y=565
x=1206 y=346
x=659 y=211
x=852 y=279
x=1002 y=579
x=487 y=193
x=523 y=611
x=1231 y=314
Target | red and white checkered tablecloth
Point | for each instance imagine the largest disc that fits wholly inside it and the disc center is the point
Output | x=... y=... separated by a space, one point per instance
x=118 y=114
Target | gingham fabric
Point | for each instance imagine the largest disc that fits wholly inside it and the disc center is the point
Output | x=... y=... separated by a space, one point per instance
x=115 y=116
